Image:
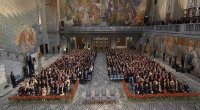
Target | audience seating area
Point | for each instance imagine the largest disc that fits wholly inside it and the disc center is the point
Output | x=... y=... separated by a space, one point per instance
x=142 y=74
x=59 y=78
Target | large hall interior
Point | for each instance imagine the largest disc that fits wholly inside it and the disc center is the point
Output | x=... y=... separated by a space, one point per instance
x=99 y=55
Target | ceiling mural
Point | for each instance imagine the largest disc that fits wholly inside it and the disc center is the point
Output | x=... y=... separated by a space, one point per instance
x=103 y=12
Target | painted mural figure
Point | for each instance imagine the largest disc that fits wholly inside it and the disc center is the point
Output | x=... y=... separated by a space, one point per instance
x=104 y=12
x=26 y=39
x=110 y=8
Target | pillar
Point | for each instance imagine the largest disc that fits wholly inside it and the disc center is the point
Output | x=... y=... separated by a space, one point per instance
x=88 y=42
x=42 y=22
x=71 y=43
x=113 y=42
x=58 y=12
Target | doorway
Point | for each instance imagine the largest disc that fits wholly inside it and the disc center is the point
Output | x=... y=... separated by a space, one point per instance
x=101 y=43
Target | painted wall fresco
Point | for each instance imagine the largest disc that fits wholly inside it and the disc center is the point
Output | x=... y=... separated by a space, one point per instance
x=195 y=52
x=13 y=16
x=158 y=45
x=169 y=41
x=175 y=45
x=26 y=39
x=103 y=12
x=181 y=48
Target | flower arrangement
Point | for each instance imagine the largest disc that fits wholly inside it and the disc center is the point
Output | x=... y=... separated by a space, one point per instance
x=29 y=98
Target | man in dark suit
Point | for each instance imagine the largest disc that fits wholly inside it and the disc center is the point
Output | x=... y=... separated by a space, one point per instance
x=13 y=79
x=53 y=48
x=182 y=61
x=58 y=48
x=164 y=56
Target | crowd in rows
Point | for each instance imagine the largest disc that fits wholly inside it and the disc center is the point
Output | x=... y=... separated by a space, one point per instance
x=60 y=76
x=144 y=75
x=182 y=20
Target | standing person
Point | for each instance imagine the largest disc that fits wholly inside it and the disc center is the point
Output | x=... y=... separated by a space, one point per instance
x=182 y=61
x=13 y=79
x=164 y=56
x=25 y=70
x=154 y=53
x=175 y=58
x=170 y=60
x=58 y=48
x=53 y=48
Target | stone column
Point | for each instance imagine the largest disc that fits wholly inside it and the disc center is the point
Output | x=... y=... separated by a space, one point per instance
x=71 y=43
x=113 y=42
x=128 y=42
x=88 y=42
x=68 y=46
x=174 y=61
x=58 y=12
x=42 y=22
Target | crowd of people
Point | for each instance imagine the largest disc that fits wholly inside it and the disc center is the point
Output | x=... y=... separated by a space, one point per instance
x=143 y=74
x=60 y=76
x=182 y=20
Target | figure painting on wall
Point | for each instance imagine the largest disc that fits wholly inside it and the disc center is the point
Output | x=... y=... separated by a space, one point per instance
x=26 y=39
x=104 y=12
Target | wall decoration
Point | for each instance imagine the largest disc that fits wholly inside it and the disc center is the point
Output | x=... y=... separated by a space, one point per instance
x=26 y=39
x=103 y=12
x=13 y=16
x=195 y=53
x=170 y=42
x=181 y=48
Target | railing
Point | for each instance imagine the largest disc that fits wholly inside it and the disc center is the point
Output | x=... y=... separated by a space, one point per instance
x=101 y=29
x=175 y=28
x=193 y=28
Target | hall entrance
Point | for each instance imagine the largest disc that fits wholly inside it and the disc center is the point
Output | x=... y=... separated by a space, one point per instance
x=101 y=43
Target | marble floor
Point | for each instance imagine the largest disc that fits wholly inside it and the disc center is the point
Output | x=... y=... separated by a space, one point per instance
x=100 y=81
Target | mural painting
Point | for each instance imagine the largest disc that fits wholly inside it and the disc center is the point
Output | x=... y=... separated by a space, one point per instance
x=103 y=12
x=170 y=43
x=194 y=46
x=158 y=45
x=181 y=41
x=26 y=39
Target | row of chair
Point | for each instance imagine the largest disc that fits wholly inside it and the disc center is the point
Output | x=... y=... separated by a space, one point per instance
x=100 y=97
x=116 y=77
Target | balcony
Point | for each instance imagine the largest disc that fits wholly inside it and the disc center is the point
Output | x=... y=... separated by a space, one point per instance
x=101 y=29
x=183 y=29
